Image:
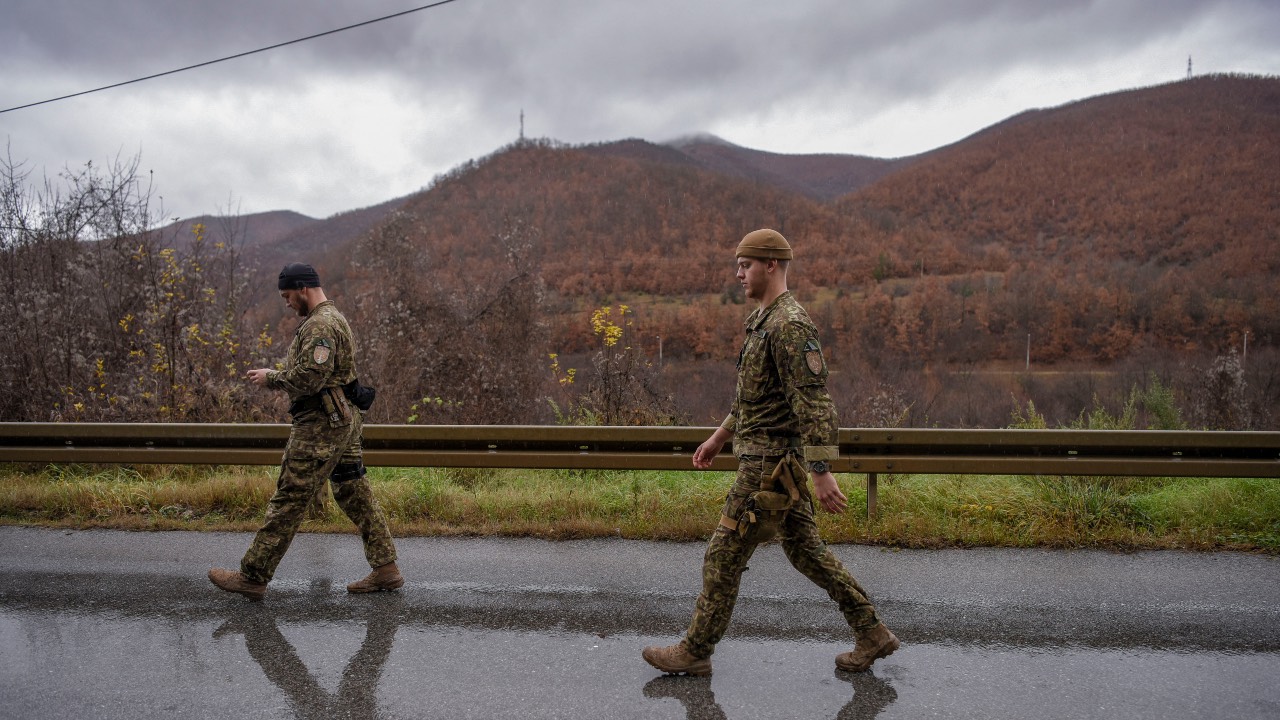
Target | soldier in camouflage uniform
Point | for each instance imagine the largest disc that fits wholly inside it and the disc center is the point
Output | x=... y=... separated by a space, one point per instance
x=324 y=444
x=782 y=416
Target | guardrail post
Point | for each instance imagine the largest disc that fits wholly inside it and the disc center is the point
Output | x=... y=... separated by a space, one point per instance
x=871 y=495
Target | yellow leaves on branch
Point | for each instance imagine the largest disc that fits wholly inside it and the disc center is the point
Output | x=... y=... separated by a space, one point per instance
x=193 y=332
x=429 y=403
x=602 y=324
x=564 y=377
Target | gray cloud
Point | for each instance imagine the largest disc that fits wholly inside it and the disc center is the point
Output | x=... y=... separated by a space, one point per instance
x=358 y=117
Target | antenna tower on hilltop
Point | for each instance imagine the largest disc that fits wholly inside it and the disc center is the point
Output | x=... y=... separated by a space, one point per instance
x=521 y=124
x=1188 y=67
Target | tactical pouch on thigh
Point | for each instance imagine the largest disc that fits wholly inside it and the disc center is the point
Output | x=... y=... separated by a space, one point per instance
x=765 y=509
x=762 y=515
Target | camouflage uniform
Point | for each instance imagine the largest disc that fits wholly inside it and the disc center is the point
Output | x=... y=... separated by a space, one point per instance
x=781 y=406
x=322 y=445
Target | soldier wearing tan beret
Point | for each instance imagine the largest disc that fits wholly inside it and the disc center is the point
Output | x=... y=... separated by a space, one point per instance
x=783 y=426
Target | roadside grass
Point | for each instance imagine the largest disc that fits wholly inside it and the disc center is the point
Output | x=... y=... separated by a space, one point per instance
x=914 y=510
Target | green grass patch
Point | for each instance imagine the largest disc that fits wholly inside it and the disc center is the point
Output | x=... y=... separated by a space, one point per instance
x=914 y=510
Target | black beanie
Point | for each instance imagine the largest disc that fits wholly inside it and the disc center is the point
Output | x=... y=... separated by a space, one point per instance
x=296 y=276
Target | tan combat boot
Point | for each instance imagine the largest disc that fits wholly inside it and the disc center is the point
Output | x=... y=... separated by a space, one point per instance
x=383 y=577
x=873 y=644
x=233 y=581
x=676 y=659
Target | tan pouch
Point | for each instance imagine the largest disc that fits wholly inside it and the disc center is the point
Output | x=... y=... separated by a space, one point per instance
x=335 y=407
x=765 y=509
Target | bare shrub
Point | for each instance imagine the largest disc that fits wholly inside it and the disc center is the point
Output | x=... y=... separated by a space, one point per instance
x=1221 y=400
x=110 y=320
x=622 y=387
x=449 y=348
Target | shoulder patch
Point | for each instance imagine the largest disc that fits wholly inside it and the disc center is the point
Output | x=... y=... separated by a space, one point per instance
x=813 y=357
x=320 y=353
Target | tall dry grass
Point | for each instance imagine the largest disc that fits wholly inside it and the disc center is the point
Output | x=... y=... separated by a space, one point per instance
x=914 y=510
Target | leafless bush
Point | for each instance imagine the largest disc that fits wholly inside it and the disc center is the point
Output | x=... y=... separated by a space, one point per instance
x=622 y=387
x=1221 y=400
x=109 y=320
x=448 y=348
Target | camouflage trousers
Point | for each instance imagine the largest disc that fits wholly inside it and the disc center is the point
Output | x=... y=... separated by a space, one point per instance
x=727 y=555
x=315 y=449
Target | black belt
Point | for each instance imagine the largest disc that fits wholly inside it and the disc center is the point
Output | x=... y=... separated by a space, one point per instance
x=306 y=403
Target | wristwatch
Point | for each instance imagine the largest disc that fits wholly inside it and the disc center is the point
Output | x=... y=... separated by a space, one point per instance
x=819 y=466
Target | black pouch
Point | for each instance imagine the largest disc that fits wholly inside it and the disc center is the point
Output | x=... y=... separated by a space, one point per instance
x=362 y=396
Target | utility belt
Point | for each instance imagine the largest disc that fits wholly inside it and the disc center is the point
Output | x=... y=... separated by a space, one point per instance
x=330 y=402
x=766 y=509
x=767 y=447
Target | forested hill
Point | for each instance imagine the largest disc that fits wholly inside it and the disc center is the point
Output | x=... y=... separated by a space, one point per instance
x=1135 y=226
x=1134 y=233
x=821 y=176
x=603 y=223
x=1145 y=217
x=1179 y=174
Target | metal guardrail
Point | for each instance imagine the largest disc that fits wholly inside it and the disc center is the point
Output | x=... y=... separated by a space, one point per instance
x=862 y=450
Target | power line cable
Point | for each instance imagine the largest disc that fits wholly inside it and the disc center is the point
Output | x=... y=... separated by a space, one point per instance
x=232 y=57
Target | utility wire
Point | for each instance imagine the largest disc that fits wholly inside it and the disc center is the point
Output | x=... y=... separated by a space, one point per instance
x=232 y=57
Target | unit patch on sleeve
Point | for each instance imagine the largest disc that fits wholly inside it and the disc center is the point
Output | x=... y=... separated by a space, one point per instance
x=813 y=357
x=320 y=353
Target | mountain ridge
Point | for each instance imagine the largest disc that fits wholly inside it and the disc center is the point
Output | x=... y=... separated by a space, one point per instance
x=1164 y=198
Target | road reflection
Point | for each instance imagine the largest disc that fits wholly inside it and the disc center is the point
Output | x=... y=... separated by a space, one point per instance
x=694 y=693
x=871 y=696
x=134 y=645
x=271 y=650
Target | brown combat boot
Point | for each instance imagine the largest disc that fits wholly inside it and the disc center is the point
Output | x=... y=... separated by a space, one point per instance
x=233 y=581
x=383 y=577
x=675 y=659
x=873 y=644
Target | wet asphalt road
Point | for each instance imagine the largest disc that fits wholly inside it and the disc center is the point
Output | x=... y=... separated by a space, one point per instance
x=100 y=624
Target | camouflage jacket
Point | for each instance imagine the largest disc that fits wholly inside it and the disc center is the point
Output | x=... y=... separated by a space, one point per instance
x=322 y=354
x=782 y=400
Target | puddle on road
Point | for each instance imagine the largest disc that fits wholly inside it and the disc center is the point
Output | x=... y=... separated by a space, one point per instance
x=382 y=663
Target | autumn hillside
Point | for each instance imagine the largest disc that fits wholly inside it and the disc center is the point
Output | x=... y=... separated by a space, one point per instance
x=601 y=224
x=1175 y=175
x=1171 y=189
x=1059 y=255
x=1103 y=230
x=821 y=176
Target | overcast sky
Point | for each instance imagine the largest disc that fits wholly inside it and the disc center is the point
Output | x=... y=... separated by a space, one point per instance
x=359 y=117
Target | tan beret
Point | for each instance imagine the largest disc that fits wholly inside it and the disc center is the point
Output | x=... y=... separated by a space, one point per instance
x=765 y=245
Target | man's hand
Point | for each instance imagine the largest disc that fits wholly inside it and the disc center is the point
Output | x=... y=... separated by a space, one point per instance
x=828 y=492
x=708 y=450
x=257 y=376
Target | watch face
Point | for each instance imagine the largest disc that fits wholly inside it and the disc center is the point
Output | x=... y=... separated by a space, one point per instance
x=818 y=466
